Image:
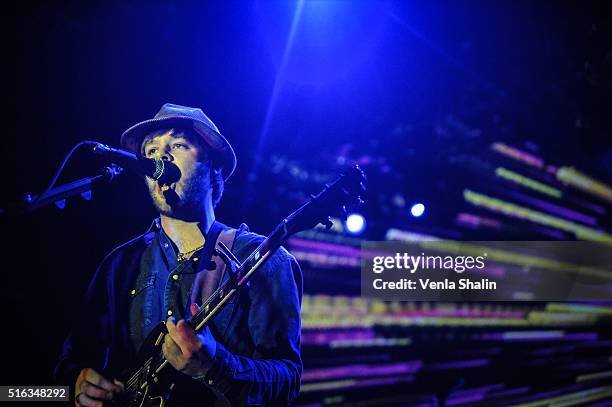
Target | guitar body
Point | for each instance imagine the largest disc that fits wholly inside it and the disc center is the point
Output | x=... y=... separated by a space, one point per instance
x=147 y=388
x=147 y=400
x=156 y=389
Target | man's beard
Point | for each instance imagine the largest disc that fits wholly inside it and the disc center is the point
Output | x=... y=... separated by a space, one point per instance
x=187 y=200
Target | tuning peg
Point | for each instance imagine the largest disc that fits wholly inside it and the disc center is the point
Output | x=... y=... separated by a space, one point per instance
x=328 y=223
x=61 y=203
x=86 y=195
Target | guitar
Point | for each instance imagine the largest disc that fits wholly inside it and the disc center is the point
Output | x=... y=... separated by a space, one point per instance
x=152 y=381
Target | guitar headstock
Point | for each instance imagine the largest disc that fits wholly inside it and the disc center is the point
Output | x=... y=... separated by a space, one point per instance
x=336 y=198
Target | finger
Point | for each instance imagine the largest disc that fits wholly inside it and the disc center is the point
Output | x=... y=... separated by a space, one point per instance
x=170 y=325
x=173 y=353
x=94 y=391
x=181 y=336
x=170 y=348
x=119 y=383
x=86 y=401
x=96 y=378
x=194 y=308
x=188 y=339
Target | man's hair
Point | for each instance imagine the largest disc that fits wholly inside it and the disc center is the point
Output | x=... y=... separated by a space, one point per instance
x=216 y=176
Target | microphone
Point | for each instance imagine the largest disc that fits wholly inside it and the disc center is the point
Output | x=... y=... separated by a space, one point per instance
x=160 y=170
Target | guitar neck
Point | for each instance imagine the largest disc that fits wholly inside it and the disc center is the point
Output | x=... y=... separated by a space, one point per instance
x=230 y=287
x=305 y=217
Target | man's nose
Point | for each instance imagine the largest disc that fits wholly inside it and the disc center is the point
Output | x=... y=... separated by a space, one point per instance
x=166 y=156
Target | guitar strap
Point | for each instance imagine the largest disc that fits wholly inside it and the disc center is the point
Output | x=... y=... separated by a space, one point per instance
x=208 y=279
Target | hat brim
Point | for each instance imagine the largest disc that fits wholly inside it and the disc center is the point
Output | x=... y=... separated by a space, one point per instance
x=132 y=138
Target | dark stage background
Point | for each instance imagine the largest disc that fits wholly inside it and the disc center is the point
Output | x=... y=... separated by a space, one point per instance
x=455 y=105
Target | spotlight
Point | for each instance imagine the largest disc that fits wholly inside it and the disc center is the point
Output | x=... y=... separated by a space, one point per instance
x=355 y=223
x=417 y=210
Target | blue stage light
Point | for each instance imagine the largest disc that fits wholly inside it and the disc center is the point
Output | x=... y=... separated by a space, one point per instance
x=355 y=223
x=417 y=210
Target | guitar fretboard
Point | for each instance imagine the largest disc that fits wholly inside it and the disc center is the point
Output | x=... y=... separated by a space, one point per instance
x=230 y=287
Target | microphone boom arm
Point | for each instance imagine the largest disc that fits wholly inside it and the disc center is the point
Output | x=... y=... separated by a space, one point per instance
x=59 y=194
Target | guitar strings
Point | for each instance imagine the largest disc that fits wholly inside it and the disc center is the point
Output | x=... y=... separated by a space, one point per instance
x=217 y=292
x=135 y=379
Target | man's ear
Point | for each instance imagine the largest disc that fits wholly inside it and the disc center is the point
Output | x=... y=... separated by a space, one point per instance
x=214 y=173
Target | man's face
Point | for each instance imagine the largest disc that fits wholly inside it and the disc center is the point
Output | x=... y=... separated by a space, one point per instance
x=187 y=197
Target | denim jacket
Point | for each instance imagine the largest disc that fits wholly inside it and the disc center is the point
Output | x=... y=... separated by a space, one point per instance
x=257 y=361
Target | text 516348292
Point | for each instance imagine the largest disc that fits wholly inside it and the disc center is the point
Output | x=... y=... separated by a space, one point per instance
x=34 y=393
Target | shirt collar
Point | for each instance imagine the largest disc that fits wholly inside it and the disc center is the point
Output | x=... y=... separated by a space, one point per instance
x=155 y=226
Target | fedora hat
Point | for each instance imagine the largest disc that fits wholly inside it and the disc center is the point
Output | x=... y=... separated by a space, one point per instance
x=171 y=115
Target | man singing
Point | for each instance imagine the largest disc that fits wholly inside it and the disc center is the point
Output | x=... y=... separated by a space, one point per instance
x=250 y=353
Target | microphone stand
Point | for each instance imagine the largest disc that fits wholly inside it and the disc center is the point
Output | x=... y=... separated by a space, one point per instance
x=59 y=194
